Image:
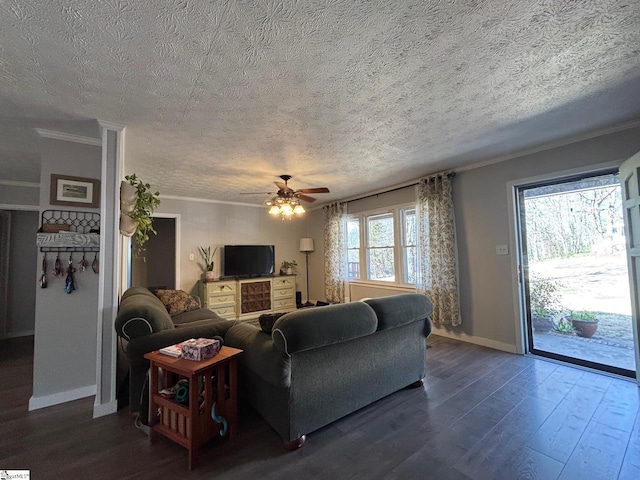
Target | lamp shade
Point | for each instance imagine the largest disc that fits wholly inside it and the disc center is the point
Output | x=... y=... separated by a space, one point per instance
x=306 y=245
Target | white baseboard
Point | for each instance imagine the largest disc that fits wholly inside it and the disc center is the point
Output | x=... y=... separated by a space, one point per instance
x=100 y=410
x=484 y=342
x=36 y=403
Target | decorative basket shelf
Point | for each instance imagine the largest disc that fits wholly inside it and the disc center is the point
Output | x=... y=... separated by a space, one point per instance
x=69 y=231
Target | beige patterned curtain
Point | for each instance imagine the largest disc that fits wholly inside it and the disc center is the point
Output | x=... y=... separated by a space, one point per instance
x=438 y=273
x=334 y=251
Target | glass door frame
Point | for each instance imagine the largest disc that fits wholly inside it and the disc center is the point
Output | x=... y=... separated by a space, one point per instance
x=524 y=330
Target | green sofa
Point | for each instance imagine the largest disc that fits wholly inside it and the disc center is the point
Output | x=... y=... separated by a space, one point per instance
x=320 y=364
x=144 y=324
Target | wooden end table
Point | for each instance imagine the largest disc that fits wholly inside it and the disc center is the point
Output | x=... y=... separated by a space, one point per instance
x=211 y=382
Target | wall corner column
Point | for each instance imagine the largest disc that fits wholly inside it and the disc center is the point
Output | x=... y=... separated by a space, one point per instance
x=109 y=278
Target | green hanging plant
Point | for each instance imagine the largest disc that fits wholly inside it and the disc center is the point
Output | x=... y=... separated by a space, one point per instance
x=145 y=204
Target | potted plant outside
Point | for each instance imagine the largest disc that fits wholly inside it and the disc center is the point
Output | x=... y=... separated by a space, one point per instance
x=287 y=266
x=137 y=210
x=584 y=323
x=207 y=256
x=544 y=303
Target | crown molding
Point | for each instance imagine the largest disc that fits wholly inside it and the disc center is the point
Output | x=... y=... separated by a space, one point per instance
x=207 y=200
x=15 y=183
x=111 y=126
x=69 y=137
x=23 y=208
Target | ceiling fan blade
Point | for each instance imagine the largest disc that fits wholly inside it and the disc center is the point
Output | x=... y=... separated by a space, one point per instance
x=304 y=197
x=257 y=193
x=313 y=190
x=281 y=186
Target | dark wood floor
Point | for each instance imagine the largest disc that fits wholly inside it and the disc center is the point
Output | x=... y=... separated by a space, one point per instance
x=483 y=414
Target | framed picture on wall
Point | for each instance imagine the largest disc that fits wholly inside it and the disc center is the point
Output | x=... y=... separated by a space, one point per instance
x=74 y=191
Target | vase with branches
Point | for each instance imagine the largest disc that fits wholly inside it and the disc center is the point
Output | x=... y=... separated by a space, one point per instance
x=208 y=258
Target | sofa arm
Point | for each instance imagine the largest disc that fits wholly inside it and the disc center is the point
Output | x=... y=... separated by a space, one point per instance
x=140 y=315
x=138 y=346
x=316 y=327
x=260 y=355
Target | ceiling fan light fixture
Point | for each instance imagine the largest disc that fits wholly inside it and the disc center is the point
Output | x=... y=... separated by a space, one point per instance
x=287 y=201
x=286 y=209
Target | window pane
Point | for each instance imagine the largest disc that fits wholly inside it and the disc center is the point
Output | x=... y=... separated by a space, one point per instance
x=409 y=226
x=410 y=264
x=409 y=250
x=381 y=264
x=353 y=249
x=353 y=263
x=353 y=233
x=380 y=230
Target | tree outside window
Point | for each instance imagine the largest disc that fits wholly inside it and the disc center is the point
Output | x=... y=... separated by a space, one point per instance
x=380 y=248
x=353 y=248
x=409 y=245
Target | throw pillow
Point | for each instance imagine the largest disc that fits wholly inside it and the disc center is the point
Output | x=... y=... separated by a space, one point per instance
x=177 y=301
x=268 y=319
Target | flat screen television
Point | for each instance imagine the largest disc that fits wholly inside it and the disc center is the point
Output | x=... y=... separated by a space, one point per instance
x=249 y=260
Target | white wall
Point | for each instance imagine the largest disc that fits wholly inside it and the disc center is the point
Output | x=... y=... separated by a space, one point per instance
x=481 y=203
x=65 y=324
x=18 y=195
x=216 y=224
x=482 y=221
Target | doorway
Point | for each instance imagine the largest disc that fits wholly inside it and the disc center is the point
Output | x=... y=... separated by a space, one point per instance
x=155 y=265
x=575 y=282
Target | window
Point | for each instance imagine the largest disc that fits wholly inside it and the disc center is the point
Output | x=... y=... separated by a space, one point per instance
x=409 y=244
x=353 y=249
x=382 y=246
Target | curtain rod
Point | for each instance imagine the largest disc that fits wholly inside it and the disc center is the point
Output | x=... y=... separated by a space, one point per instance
x=412 y=183
x=381 y=193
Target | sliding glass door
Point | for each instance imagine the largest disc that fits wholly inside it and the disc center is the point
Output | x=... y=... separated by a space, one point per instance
x=575 y=282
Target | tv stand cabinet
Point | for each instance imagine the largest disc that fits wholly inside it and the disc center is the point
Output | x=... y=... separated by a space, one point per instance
x=248 y=298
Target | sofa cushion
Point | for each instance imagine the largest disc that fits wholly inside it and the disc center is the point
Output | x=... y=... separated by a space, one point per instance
x=267 y=320
x=396 y=310
x=197 y=315
x=140 y=315
x=177 y=301
x=316 y=327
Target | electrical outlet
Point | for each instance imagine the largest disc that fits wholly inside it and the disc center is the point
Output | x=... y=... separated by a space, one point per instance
x=502 y=249
x=192 y=257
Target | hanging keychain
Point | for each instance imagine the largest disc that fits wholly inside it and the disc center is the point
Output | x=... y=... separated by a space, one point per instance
x=94 y=265
x=69 y=285
x=43 y=278
x=83 y=263
x=57 y=268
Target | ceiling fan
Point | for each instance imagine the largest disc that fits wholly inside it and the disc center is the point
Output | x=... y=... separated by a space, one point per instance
x=286 y=192
x=287 y=200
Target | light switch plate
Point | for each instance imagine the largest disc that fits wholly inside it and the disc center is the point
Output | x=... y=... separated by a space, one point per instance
x=192 y=257
x=502 y=249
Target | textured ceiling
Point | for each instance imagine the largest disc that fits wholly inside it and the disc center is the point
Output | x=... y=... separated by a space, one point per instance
x=222 y=97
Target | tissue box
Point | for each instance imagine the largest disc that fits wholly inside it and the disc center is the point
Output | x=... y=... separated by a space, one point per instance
x=200 y=349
